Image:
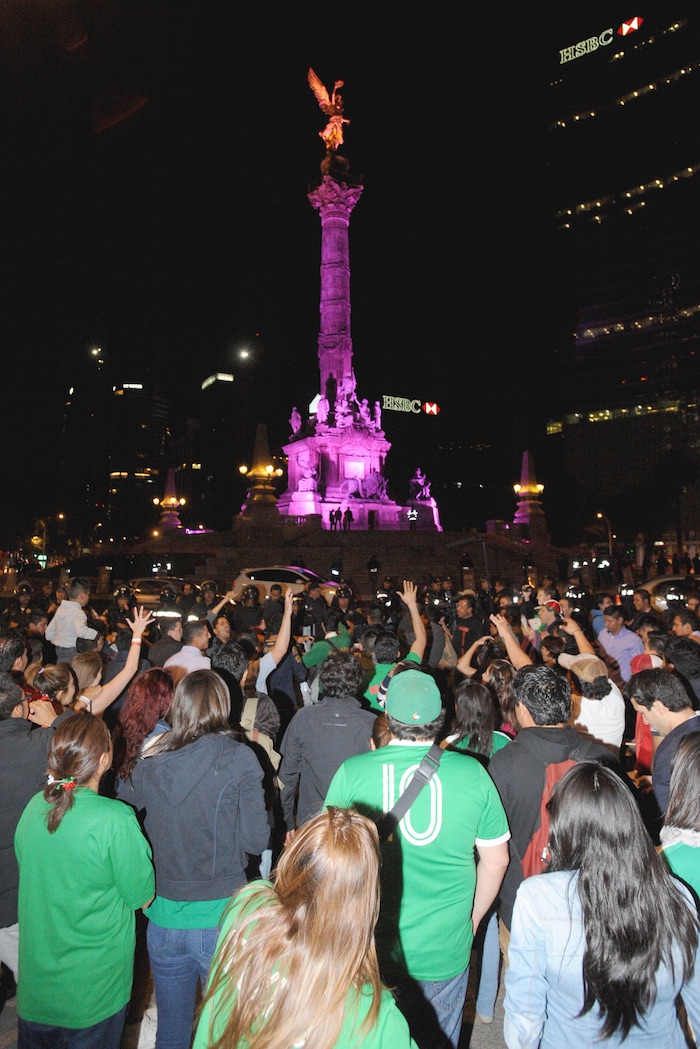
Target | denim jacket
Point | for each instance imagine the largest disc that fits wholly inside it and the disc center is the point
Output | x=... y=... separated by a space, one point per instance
x=544 y=980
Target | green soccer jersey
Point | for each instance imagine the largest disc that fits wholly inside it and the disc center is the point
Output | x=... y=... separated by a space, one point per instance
x=380 y=672
x=78 y=890
x=429 y=866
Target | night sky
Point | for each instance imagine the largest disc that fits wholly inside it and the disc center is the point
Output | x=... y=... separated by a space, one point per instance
x=155 y=166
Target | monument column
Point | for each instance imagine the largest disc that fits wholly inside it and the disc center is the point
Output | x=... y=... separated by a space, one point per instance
x=335 y=201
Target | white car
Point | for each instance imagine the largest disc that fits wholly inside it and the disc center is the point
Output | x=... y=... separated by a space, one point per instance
x=286 y=575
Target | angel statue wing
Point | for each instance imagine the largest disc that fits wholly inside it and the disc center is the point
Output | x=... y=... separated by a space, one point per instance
x=332 y=106
x=322 y=96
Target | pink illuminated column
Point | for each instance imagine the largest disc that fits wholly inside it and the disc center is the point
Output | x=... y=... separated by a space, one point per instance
x=335 y=201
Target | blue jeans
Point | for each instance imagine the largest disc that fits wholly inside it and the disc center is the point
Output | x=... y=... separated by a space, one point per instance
x=490 y=966
x=180 y=958
x=105 y=1035
x=433 y=1008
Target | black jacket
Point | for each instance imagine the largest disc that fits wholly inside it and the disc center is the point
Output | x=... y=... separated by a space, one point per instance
x=518 y=771
x=23 y=750
x=203 y=810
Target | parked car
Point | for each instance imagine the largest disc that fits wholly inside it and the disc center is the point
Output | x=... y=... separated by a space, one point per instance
x=286 y=575
x=147 y=589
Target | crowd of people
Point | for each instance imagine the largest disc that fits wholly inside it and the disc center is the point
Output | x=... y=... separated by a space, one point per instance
x=204 y=812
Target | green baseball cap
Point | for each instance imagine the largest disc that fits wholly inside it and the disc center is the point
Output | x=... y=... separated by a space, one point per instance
x=413 y=698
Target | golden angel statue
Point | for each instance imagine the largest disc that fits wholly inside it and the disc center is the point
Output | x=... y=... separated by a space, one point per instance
x=332 y=106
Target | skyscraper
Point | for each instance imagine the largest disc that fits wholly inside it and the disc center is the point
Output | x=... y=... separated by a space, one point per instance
x=624 y=309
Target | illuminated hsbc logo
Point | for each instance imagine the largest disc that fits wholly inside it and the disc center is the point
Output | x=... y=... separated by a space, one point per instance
x=403 y=404
x=586 y=47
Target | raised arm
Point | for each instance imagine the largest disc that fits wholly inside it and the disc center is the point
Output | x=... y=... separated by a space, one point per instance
x=584 y=646
x=409 y=596
x=102 y=695
x=213 y=612
x=513 y=650
x=464 y=663
x=281 y=645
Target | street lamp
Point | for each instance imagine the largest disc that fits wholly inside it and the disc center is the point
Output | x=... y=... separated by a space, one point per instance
x=43 y=523
x=602 y=517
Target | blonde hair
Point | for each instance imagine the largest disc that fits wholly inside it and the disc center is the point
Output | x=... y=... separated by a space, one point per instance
x=87 y=666
x=281 y=974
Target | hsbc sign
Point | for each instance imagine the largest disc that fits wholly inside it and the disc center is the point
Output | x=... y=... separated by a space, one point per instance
x=403 y=404
x=592 y=43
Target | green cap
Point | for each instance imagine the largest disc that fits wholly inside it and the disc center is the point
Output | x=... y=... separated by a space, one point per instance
x=413 y=698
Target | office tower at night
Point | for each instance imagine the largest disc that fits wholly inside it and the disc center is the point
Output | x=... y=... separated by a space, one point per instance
x=206 y=455
x=623 y=298
x=139 y=429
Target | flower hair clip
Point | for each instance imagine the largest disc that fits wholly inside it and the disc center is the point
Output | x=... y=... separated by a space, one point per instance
x=57 y=784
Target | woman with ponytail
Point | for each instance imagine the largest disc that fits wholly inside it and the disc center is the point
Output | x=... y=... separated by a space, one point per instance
x=84 y=869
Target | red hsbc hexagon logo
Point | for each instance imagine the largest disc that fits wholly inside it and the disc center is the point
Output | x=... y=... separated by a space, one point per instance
x=430 y=408
x=629 y=27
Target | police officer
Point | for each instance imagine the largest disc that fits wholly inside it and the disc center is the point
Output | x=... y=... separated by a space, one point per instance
x=247 y=613
x=313 y=609
x=168 y=607
x=20 y=608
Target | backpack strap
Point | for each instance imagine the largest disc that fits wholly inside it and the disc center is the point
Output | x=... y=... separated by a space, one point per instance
x=421 y=777
x=250 y=709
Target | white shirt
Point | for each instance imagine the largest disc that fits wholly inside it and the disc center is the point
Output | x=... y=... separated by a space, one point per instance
x=190 y=658
x=604 y=719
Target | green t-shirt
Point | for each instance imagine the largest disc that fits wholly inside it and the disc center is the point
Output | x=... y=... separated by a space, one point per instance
x=429 y=868
x=389 y=1032
x=684 y=861
x=186 y=914
x=78 y=890
x=380 y=672
x=500 y=740
x=320 y=649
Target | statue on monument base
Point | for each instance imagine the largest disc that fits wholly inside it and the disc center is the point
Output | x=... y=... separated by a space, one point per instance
x=373 y=486
x=419 y=486
x=308 y=482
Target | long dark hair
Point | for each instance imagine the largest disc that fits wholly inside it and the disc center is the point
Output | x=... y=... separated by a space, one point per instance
x=476 y=716
x=633 y=911
x=201 y=706
x=499 y=676
x=683 y=809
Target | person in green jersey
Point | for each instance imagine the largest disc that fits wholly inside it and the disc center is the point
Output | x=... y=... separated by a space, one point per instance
x=434 y=894
x=295 y=963
x=84 y=869
x=387 y=649
x=680 y=834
